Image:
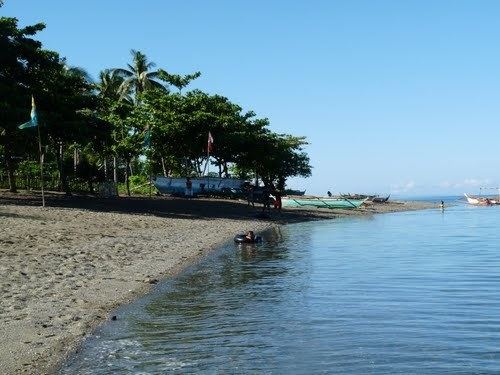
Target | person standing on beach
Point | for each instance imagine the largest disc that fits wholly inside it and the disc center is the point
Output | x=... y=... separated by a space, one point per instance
x=277 y=199
x=189 y=187
x=250 y=197
x=266 y=200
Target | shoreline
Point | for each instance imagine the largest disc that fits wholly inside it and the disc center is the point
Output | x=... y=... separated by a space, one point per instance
x=65 y=267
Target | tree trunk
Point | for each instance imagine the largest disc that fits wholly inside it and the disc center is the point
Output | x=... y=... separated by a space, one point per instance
x=105 y=167
x=63 y=179
x=75 y=160
x=115 y=170
x=130 y=165
x=127 y=182
x=163 y=167
x=10 y=170
x=59 y=167
x=91 y=185
x=199 y=163
x=281 y=183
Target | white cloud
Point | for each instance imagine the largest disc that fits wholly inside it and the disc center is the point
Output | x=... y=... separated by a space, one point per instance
x=402 y=188
x=466 y=183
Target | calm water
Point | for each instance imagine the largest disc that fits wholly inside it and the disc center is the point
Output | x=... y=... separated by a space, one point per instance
x=406 y=293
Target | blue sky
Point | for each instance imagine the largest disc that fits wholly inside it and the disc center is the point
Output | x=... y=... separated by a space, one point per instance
x=394 y=96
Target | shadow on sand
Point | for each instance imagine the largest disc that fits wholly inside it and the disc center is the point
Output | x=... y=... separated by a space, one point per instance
x=167 y=207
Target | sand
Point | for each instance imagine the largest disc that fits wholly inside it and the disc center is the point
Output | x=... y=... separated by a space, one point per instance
x=63 y=268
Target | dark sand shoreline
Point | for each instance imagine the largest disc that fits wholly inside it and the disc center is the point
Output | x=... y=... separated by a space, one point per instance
x=65 y=267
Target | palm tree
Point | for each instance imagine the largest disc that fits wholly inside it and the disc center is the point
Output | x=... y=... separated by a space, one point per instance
x=79 y=72
x=108 y=89
x=138 y=77
x=109 y=85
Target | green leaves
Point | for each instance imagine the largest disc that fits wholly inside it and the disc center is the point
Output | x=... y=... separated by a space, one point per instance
x=177 y=80
x=137 y=78
x=113 y=116
x=180 y=125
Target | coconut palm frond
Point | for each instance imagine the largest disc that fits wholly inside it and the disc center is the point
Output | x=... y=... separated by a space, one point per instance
x=122 y=72
x=79 y=72
x=158 y=85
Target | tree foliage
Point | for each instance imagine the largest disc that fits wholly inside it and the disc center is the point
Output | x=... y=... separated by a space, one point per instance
x=90 y=128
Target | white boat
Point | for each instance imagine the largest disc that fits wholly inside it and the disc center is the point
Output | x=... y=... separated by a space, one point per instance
x=481 y=201
x=171 y=185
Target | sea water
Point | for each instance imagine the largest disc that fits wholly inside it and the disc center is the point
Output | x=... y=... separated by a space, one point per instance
x=404 y=293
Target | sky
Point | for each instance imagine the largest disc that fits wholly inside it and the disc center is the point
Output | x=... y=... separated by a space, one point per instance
x=398 y=97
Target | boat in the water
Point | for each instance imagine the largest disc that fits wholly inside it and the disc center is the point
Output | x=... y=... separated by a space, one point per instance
x=481 y=201
x=320 y=202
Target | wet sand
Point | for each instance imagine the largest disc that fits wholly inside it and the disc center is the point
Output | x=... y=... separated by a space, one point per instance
x=63 y=268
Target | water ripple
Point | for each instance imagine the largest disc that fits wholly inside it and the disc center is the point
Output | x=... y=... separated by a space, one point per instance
x=408 y=293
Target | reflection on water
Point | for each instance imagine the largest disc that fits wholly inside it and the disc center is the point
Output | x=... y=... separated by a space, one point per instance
x=412 y=292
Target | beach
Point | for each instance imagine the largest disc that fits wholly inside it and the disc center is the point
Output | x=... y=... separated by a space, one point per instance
x=63 y=268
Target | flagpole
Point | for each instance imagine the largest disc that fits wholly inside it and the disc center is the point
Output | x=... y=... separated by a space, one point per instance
x=41 y=163
x=150 y=172
x=208 y=166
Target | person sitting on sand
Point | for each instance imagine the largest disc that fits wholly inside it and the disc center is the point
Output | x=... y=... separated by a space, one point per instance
x=250 y=235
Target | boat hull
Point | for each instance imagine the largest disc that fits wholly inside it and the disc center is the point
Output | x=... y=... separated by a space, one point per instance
x=322 y=202
x=177 y=186
x=481 y=201
x=381 y=199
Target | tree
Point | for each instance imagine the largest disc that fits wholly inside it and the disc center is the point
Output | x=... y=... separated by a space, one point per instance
x=108 y=92
x=20 y=63
x=137 y=78
x=108 y=86
x=275 y=157
x=67 y=108
x=177 y=80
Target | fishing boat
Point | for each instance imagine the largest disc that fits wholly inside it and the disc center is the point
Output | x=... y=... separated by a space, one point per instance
x=177 y=186
x=380 y=199
x=357 y=196
x=320 y=202
x=481 y=201
x=294 y=192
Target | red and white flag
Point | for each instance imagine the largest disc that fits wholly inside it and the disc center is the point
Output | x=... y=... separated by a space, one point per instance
x=210 y=145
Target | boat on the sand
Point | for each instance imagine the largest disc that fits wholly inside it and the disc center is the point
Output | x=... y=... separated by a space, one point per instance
x=320 y=202
x=380 y=199
x=201 y=185
x=294 y=192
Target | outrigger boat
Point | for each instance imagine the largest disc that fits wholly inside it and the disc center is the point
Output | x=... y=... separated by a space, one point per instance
x=481 y=201
x=319 y=202
x=381 y=199
x=294 y=192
